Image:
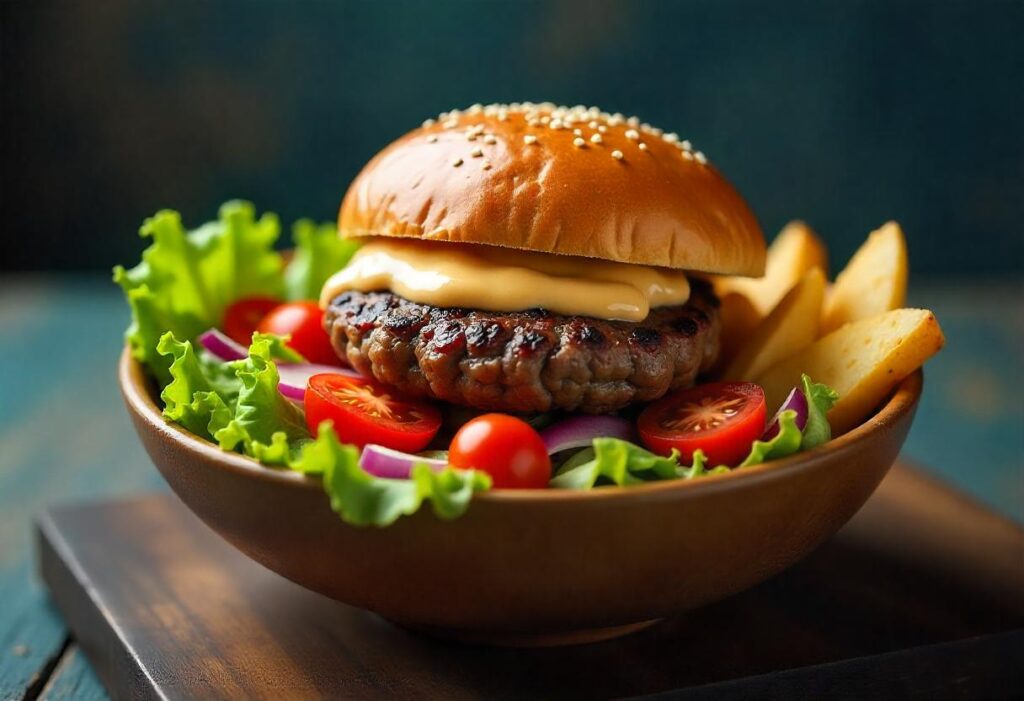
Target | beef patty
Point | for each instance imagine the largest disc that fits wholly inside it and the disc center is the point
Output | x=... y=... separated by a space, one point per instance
x=525 y=361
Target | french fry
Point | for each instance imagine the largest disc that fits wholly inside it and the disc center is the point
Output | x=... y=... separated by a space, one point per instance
x=747 y=301
x=874 y=281
x=862 y=361
x=790 y=327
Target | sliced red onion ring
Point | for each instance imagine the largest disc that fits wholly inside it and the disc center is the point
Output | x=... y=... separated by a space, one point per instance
x=795 y=401
x=394 y=464
x=295 y=377
x=222 y=346
x=580 y=431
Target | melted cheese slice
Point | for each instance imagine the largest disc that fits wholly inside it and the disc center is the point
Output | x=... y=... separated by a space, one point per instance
x=507 y=280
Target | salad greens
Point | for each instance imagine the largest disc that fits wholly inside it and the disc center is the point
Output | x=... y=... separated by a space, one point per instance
x=619 y=462
x=187 y=279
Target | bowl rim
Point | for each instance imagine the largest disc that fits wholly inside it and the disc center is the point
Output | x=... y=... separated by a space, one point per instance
x=135 y=387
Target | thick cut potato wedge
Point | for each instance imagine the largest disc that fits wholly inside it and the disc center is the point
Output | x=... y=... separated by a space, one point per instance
x=747 y=301
x=790 y=327
x=862 y=361
x=874 y=281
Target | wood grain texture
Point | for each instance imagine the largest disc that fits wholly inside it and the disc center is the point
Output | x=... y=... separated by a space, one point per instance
x=73 y=680
x=32 y=635
x=173 y=610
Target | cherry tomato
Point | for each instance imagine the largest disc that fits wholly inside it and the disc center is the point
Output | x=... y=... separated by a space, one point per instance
x=723 y=419
x=243 y=316
x=304 y=322
x=366 y=412
x=506 y=448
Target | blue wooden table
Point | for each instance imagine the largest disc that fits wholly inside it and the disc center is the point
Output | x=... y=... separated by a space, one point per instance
x=64 y=435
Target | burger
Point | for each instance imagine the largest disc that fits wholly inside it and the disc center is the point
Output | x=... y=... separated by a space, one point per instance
x=529 y=258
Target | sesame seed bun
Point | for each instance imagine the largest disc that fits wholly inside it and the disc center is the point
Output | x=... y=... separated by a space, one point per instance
x=571 y=181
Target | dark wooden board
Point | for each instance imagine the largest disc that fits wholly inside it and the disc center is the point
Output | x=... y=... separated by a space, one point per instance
x=921 y=595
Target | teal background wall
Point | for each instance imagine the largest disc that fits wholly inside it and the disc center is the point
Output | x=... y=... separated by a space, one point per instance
x=842 y=113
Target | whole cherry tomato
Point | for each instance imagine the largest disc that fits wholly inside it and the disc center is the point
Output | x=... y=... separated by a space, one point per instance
x=304 y=322
x=506 y=448
x=244 y=315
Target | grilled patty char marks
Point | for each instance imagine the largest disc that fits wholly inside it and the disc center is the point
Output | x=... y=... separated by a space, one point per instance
x=525 y=361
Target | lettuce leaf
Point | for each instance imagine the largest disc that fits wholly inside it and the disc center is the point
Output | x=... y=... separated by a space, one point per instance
x=264 y=422
x=319 y=253
x=622 y=463
x=188 y=278
x=364 y=500
x=238 y=406
x=820 y=399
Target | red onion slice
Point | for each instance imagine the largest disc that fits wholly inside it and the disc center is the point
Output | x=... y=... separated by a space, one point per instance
x=580 y=432
x=394 y=464
x=795 y=401
x=295 y=377
x=222 y=346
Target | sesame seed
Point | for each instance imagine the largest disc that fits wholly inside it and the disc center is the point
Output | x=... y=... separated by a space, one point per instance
x=489 y=139
x=685 y=143
x=701 y=158
x=578 y=142
x=671 y=137
x=451 y=124
x=602 y=128
x=632 y=134
x=533 y=122
x=643 y=146
x=529 y=139
x=577 y=132
x=592 y=124
x=556 y=124
x=471 y=137
x=633 y=122
x=475 y=108
x=617 y=155
x=596 y=139
x=432 y=139
x=456 y=162
x=487 y=165
x=687 y=155
x=477 y=152
x=428 y=123
x=545 y=119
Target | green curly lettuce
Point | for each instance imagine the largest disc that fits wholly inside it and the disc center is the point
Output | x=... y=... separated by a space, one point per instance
x=362 y=499
x=188 y=278
x=319 y=253
x=619 y=462
x=238 y=406
x=820 y=399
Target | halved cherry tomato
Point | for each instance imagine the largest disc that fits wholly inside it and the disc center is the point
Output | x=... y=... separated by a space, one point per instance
x=304 y=322
x=723 y=419
x=506 y=448
x=244 y=315
x=366 y=412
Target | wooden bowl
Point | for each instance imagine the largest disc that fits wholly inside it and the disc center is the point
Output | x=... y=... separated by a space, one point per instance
x=539 y=566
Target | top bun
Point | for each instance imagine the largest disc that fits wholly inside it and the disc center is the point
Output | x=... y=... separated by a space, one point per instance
x=571 y=181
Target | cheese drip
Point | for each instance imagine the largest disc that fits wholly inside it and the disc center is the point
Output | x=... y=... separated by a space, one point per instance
x=506 y=280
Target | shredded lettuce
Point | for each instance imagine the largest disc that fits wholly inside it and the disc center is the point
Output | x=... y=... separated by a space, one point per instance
x=319 y=253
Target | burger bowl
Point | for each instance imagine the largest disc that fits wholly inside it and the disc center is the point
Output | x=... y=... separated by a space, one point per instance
x=533 y=567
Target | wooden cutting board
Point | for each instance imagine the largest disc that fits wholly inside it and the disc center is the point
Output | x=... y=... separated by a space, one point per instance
x=921 y=595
